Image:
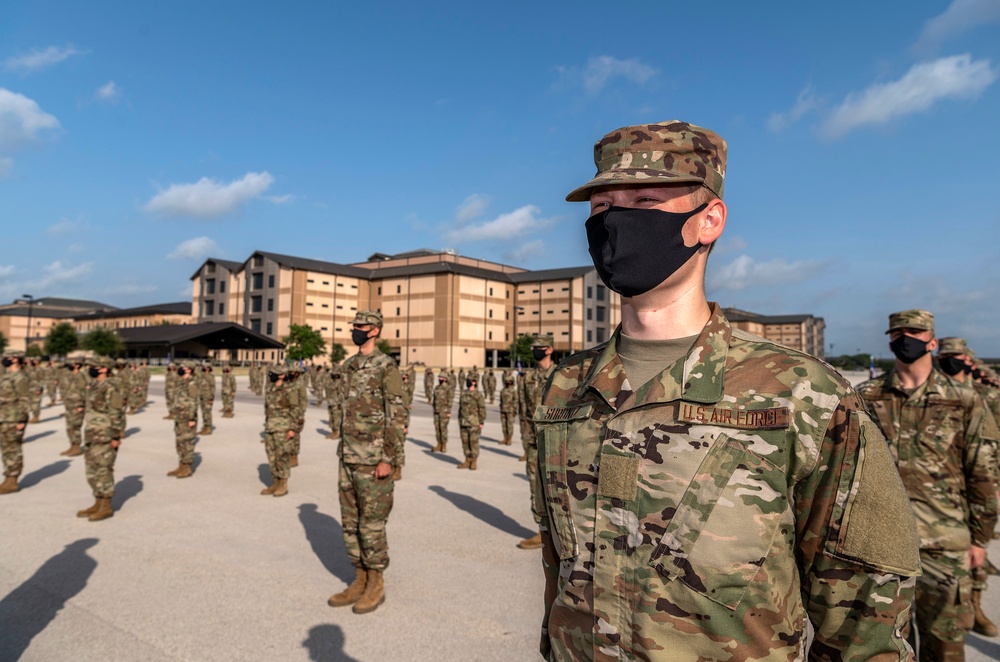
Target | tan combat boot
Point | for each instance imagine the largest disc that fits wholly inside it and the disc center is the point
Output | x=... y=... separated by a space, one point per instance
x=472 y=463
x=73 y=451
x=9 y=485
x=523 y=458
x=350 y=594
x=103 y=511
x=280 y=487
x=294 y=462
x=444 y=446
x=534 y=542
x=398 y=473
x=168 y=417
x=466 y=464
x=89 y=511
x=180 y=467
x=330 y=436
x=437 y=449
x=373 y=596
x=184 y=471
x=205 y=431
x=983 y=624
x=35 y=419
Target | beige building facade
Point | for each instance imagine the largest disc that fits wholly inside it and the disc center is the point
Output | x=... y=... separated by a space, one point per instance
x=440 y=309
x=130 y=318
x=28 y=321
x=802 y=332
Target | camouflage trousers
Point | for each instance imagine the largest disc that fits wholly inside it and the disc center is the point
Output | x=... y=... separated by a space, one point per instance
x=279 y=452
x=470 y=440
x=169 y=397
x=336 y=414
x=365 y=504
x=441 y=428
x=980 y=577
x=228 y=400
x=74 y=423
x=53 y=390
x=507 y=423
x=296 y=442
x=11 y=440
x=185 y=435
x=489 y=395
x=36 y=403
x=99 y=458
x=527 y=434
x=531 y=468
x=206 y=412
x=943 y=609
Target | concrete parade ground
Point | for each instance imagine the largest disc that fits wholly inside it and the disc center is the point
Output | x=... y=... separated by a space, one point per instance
x=205 y=568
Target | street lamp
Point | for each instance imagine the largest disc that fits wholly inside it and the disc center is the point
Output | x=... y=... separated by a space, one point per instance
x=27 y=335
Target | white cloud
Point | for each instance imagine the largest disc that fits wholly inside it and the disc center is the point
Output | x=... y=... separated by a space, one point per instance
x=471 y=207
x=805 y=102
x=745 y=272
x=531 y=249
x=65 y=226
x=7 y=270
x=955 y=77
x=128 y=289
x=208 y=198
x=21 y=120
x=197 y=248
x=604 y=68
x=960 y=16
x=40 y=58
x=57 y=272
x=109 y=92
x=281 y=199
x=505 y=227
x=54 y=276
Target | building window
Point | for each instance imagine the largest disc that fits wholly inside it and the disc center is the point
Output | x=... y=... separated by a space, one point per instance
x=379 y=290
x=549 y=312
x=270 y=305
x=326 y=282
x=590 y=295
x=258 y=260
x=600 y=315
x=270 y=280
x=310 y=280
x=490 y=312
x=399 y=289
x=210 y=286
x=323 y=328
x=590 y=314
x=340 y=307
x=255 y=304
x=269 y=328
x=308 y=303
x=565 y=289
x=550 y=290
x=590 y=335
x=491 y=291
x=209 y=308
x=506 y=314
x=506 y=337
x=222 y=309
x=354 y=287
x=397 y=310
x=255 y=325
x=600 y=294
x=222 y=287
x=600 y=334
x=326 y=305
x=210 y=267
x=491 y=335
x=258 y=281
x=565 y=310
x=397 y=333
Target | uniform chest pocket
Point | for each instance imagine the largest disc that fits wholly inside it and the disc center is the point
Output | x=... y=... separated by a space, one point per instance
x=722 y=529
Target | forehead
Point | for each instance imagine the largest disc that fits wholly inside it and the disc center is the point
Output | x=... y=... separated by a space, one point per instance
x=910 y=331
x=673 y=190
x=364 y=326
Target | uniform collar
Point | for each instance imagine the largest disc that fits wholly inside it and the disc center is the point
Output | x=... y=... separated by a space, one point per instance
x=935 y=385
x=698 y=377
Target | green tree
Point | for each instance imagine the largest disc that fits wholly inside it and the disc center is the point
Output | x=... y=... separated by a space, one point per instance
x=103 y=342
x=384 y=346
x=337 y=352
x=34 y=351
x=61 y=340
x=520 y=349
x=3 y=342
x=302 y=343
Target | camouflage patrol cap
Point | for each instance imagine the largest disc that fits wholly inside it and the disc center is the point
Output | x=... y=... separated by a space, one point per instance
x=102 y=362
x=368 y=317
x=911 y=319
x=13 y=353
x=952 y=346
x=541 y=340
x=670 y=152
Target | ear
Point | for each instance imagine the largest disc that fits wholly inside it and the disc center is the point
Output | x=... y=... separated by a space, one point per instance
x=932 y=345
x=712 y=222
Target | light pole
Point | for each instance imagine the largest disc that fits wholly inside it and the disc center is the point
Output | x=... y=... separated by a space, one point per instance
x=517 y=311
x=27 y=335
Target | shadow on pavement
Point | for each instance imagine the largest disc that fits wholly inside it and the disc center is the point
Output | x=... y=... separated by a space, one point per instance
x=125 y=489
x=131 y=431
x=50 y=418
x=326 y=642
x=484 y=512
x=523 y=477
x=498 y=451
x=32 y=606
x=444 y=457
x=988 y=648
x=28 y=440
x=38 y=475
x=196 y=462
x=264 y=474
x=326 y=537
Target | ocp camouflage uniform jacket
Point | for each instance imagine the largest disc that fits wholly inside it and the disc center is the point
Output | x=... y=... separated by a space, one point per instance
x=706 y=515
x=471 y=409
x=530 y=391
x=508 y=398
x=942 y=438
x=73 y=388
x=444 y=398
x=15 y=397
x=228 y=384
x=335 y=385
x=186 y=399
x=105 y=416
x=206 y=386
x=374 y=415
x=282 y=407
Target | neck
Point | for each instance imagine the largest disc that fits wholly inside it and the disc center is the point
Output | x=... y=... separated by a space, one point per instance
x=677 y=312
x=368 y=347
x=545 y=363
x=914 y=374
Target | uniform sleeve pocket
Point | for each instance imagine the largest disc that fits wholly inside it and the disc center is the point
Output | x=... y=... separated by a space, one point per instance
x=556 y=494
x=723 y=526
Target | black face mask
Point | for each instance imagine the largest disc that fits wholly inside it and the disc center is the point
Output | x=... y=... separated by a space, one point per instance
x=634 y=250
x=952 y=366
x=359 y=337
x=273 y=376
x=94 y=372
x=540 y=353
x=977 y=373
x=908 y=349
x=8 y=363
x=469 y=383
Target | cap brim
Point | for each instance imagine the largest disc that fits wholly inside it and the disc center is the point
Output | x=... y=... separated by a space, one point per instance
x=629 y=176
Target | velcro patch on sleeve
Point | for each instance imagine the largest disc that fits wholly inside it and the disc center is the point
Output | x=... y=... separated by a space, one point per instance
x=618 y=477
x=776 y=418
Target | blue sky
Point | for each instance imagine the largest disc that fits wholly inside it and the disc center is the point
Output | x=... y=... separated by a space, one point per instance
x=137 y=139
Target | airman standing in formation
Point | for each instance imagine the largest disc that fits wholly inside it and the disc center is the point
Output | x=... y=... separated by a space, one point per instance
x=443 y=399
x=36 y=379
x=228 y=392
x=530 y=397
x=120 y=377
x=471 y=416
x=508 y=408
x=298 y=380
x=206 y=398
x=185 y=415
x=15 y=407
x=170 y=389
x=429 y=384
x=409 y=386
x=695 y=480
x=74 y=396
x=371 y=441
x=102 y=430
x=52 y=381
x=335 y=391
x=941 y=436
x=282 y=407
x=490 y=384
